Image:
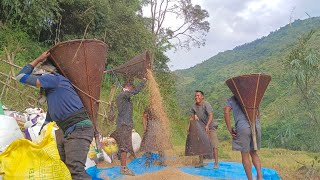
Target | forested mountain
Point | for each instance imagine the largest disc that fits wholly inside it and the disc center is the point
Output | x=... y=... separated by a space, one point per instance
x=287 y=120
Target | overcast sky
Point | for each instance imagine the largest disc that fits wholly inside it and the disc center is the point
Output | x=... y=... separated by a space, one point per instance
x=235 y=22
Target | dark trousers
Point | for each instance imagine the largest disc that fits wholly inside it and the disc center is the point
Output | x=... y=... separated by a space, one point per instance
x=73 y=151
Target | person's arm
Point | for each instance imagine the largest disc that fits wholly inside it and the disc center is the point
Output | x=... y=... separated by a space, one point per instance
x=144 y=121
x=47 y=121
x=209 y=110
x=227 y=111
x=210 y=119
x=25 y=76
x=39 y=59
x=137 y=89
x=193 y=115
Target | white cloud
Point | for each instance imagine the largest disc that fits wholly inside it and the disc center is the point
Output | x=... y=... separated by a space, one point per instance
x=240 y=21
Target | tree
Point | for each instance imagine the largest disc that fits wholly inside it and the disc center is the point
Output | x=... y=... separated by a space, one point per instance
x=191 y=24
x=304 y=64
x=78 y=19
x=114 y=22
x=32 y=16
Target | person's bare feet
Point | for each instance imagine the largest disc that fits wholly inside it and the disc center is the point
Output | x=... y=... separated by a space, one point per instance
x=201 y=164
x=259 y=178
x=216 y=166
x=126 y=171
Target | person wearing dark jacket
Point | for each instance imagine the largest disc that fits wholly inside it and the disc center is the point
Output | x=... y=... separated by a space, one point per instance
x=123 y=133
x=66 y=109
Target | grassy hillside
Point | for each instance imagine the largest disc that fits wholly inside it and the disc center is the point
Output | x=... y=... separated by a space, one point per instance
x=282 y=114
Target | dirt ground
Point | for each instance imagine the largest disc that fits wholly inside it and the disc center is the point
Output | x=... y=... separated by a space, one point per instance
x=166 y=174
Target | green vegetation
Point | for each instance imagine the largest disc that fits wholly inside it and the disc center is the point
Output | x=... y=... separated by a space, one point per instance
x=290 y=108
x=27 y=28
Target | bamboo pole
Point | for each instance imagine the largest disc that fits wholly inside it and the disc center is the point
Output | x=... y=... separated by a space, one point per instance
x=4 y=87
x=16 y=66
x=111 y=96
x=104 y=116
x=100 y=101
x=18 y=90
x=33 y=97
x=3 y=74
x=10 y=58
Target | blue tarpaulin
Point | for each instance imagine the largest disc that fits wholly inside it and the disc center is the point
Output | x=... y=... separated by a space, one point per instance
x=137 y=166
x=227 y=170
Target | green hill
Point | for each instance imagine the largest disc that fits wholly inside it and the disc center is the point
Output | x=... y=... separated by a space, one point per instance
x=284 y=123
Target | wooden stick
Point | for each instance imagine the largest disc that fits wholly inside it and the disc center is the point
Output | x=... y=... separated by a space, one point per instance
x=16 y=66
x=111 y=95
x=254 y=135
x=17 y=90
x=10 y=64
x=99 y=101
x=4 y=87
x=102 y=115
x=253 y=126
x=3 y=74
x=31 y=96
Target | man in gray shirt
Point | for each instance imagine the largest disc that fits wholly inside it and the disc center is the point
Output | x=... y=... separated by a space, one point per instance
x=123 y=133
x=242 y=137
x=202 y=111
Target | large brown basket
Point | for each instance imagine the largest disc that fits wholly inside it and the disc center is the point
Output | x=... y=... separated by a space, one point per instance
x=198 y=142
x=83 y=63
x=249 y=90
x=136 y=67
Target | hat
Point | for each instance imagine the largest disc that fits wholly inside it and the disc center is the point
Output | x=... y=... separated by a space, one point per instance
x=46 y=67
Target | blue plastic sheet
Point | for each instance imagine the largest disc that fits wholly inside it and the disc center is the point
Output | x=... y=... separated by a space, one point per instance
x=227 y=170
x=137 y=166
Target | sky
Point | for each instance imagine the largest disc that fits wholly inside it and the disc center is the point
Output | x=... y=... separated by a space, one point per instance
x=235 y=22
